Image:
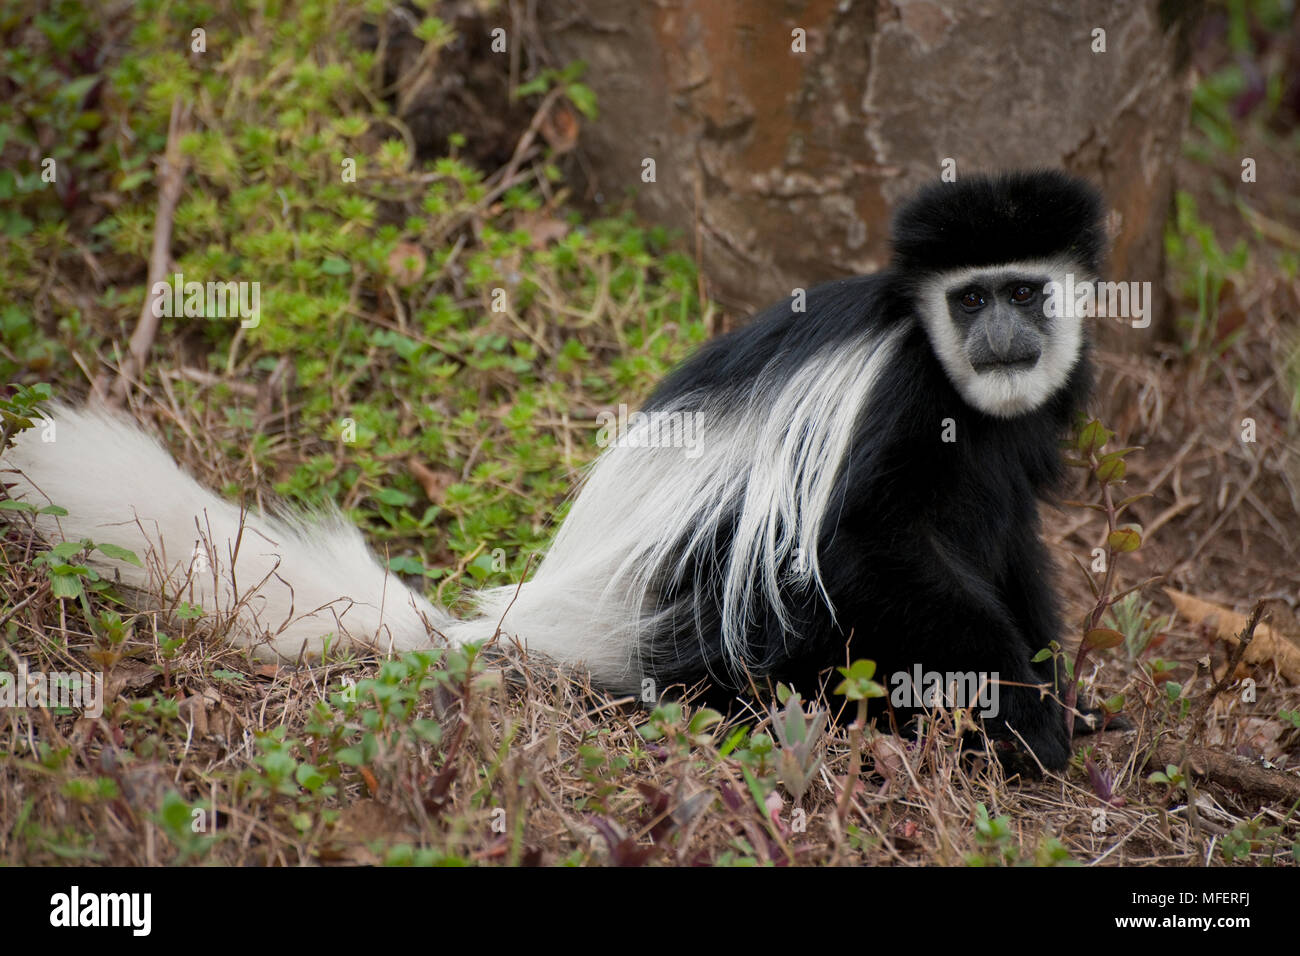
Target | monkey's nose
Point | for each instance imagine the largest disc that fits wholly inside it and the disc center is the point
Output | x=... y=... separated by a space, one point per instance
x=1006 y=346
x=1000 y=333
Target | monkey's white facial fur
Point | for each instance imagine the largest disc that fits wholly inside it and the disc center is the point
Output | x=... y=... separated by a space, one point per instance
x=1000 y=344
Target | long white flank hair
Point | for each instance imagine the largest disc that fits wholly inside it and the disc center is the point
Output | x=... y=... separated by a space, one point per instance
x=762 y=474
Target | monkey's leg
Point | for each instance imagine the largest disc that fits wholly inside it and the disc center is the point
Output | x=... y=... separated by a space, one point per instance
x=973 y=625
x=1031 y=600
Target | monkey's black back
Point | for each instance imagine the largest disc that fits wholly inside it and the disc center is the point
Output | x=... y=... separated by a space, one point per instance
x=933 y=555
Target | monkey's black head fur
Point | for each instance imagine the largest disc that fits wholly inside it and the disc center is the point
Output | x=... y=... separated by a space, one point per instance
x=985 y=220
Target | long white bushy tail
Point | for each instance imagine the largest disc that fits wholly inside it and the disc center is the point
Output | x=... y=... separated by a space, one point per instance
x=292 y=584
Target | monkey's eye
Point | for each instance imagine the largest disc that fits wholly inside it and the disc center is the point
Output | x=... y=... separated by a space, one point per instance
x=972 y=300
x=1022 y=294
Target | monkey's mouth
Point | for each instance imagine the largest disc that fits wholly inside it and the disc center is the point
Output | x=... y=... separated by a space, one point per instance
x=1010 y=365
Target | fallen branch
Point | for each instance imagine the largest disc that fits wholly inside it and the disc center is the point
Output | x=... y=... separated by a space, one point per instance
x=1234 y=659
x=1241 y=775
x=1207 y=699
x=171 y=176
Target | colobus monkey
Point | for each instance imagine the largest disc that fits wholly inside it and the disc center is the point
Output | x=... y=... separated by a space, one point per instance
x=866 y=472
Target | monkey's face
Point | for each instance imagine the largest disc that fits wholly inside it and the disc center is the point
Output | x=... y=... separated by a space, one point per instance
x=1003 y=349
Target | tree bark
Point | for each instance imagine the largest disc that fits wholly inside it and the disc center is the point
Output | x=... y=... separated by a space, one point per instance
x=782 y=167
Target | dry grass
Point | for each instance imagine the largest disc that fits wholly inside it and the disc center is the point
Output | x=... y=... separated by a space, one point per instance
x=528 y=766
x=204 y=755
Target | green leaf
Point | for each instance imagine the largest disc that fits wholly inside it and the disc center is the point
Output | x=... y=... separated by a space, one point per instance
x=733 y=741
x=1124 y=539
x=481 y=567
x=14 y=421
x=66 y=586
x=755 y=791
x=581 y=96
x=175 y=813
x=857 y=683
x=119 y=554
x=702 y=720
x=350 y=756
x=1111 y=469
x=859 y=670
x=309 y=778
x=1093 y=436
x=430 y=731
x=405 y=564
x=189 y=612
x=74 y=90
x=394 y=497
x=336 y=267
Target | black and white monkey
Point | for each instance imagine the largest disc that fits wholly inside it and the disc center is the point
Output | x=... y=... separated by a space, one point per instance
x=868 y=472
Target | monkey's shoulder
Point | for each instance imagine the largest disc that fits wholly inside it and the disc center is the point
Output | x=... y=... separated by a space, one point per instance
x=780 y=342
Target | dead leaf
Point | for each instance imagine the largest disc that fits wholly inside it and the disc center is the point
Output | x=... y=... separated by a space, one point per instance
x=128 y=675
x=1267 y=646
x=362 y=823
x=542 y=229
x=196 y=709
x=1263 y=735
x=1230 y=320
x=371 y=783
x=888 y=756
x=433 y=481
x=560 y=128
x=406 y=263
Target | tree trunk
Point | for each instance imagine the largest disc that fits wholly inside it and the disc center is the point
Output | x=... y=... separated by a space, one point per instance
x=783 y=166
